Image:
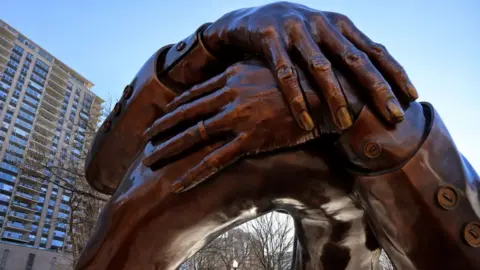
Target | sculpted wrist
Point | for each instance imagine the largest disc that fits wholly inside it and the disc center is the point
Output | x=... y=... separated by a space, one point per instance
x=188 y=62
x=370 y=146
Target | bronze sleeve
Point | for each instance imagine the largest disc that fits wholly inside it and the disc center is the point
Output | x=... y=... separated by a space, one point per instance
x=188 y=62
x=420 y=194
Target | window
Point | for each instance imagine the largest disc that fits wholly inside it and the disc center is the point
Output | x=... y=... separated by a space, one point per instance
x=38 y=79
x=28 y=107
x=57 y=243
x=42 y=65
x=45 y=55
x=6 y=187
x=7 y=79
x=23 y=124
x=59 y=234
x=8 y=167
x=7 y=177
x=19 y=50
x=30 y=100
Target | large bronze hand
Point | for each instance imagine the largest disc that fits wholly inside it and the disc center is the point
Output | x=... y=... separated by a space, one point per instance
x=249 y=116
x=277 y=31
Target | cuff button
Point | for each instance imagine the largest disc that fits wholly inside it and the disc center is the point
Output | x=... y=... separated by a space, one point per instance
x=471 y=234
x=180 y=46
x=127 y=92
x=372 y=149
x=117 y=109
x=106 y=126
x=447 y=197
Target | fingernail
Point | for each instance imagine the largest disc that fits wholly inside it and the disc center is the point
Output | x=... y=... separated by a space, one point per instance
x=306 y=121
x=412 y=91
x=394 y=110
x=344 y=118
x=177 y=187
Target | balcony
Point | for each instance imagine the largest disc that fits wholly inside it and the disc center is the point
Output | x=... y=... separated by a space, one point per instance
x=46 y=122
x=60 y=72
x=3 y=60
x=6 y=44
x=18 y=226
x=30 y=188
x=40 y=138
x=15 y=237
x=33 y=199
x=22 y=206
x=48 y=114
x=24 y=217
x=54 y=93
x=44 y=131
x=4 y=52
x=34 y=180
x=61 y=82
x=55 y=86
x=52 y=100
x=50 y=108
x=55 y=96
x=7 y=34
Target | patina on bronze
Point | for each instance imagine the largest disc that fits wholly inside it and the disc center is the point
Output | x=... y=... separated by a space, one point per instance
x=395 y=179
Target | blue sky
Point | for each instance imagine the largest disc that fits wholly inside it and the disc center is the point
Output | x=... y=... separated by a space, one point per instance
x=107 y=41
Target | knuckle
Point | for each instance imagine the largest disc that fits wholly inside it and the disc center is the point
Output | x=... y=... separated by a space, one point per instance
x=318 y=19
x=355 y=58
x=268 y=32
x=381 y=89
x=286 y=73
x=293 y=23
x=340 y=20
x=378 y=50
x=320 y=64
x=398 y=70
x=336 y=98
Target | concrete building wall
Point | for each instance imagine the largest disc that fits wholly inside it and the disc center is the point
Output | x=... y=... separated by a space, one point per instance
x=18 y=257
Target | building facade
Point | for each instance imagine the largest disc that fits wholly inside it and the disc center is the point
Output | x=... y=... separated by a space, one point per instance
x=45 y=108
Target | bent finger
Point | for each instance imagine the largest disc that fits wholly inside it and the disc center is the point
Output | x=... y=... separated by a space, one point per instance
x=287 y=79
x=385 y=62
x=198 y=90
x=185 y=140
x=200 y=107
x=212 y=163
x=367 y=75
x=321 y=70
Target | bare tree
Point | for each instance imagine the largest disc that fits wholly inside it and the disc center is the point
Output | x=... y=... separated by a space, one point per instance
x=66 y=171
x=272 y=243
x=265 y=243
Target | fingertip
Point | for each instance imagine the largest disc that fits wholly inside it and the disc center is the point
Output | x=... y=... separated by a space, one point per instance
x=412 y=91
x=306 y=121
x=395 y=111
x=344 y=119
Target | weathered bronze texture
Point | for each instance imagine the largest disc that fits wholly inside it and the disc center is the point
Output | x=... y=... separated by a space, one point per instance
x=379 y=170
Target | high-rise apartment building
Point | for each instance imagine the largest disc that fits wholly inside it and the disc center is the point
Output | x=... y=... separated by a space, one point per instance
x=45 y=107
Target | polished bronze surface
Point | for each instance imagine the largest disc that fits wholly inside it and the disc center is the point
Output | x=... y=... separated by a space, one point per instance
x=384 y=169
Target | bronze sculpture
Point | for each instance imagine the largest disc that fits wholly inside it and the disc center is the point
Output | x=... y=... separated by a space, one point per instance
x=384 y=175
